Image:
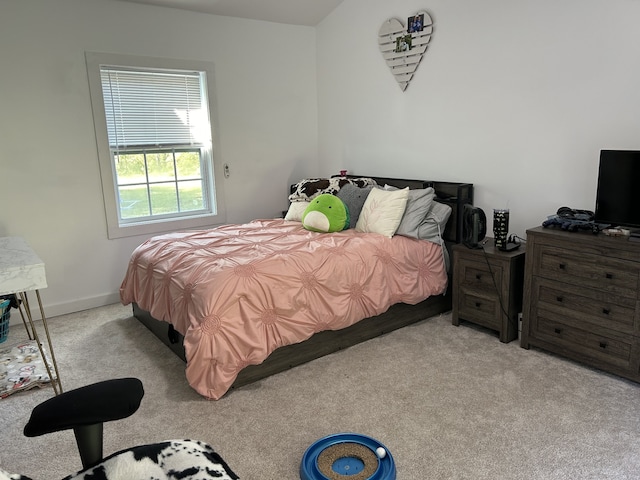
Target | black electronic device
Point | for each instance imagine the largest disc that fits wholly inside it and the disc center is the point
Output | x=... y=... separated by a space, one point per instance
x=510 y=247
x=617 y=198
x=513 y=243
x=474 y=226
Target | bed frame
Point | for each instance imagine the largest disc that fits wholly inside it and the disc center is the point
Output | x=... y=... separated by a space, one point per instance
x=324 y=343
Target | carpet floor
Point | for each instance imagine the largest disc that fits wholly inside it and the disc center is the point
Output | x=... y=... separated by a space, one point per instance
x=448 y=402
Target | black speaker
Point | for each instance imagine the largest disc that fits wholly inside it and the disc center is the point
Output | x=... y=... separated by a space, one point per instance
x=474 y=226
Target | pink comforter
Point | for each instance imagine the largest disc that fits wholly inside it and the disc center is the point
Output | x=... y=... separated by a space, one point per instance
x=238 y=292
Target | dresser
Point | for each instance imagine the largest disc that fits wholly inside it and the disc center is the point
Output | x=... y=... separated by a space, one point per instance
x=487 y=288
x=582 y=298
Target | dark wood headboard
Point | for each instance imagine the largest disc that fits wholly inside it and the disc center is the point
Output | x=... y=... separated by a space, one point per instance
x=454 y=194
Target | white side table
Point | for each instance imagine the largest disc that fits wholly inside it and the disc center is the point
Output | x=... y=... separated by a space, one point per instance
x=22 y=271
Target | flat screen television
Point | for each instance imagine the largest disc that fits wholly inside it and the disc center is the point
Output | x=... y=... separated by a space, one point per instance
x=618 y=192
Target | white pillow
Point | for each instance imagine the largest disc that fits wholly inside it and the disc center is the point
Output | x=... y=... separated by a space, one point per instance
x=296 y=209
x=382 y=211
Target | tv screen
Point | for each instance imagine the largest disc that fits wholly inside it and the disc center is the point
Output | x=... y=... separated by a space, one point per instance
x=618 y=193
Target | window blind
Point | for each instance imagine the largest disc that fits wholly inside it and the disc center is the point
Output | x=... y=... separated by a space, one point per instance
x=151 y=109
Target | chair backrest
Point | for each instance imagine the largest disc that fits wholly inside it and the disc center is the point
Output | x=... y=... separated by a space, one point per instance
x=84 y=410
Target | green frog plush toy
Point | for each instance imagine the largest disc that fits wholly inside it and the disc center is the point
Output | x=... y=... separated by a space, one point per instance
x=326 y=213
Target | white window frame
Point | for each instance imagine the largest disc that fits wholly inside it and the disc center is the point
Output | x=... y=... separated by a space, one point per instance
x=115 y=227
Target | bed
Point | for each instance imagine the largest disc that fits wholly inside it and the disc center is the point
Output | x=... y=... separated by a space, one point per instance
x=241 y=302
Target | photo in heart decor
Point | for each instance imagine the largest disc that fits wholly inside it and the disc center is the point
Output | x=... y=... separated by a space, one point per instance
x=403 y=47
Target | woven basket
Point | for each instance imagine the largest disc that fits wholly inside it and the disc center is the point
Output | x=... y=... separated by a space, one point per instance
x=5 y=316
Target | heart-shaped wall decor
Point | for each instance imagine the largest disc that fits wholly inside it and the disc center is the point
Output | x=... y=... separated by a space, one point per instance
x=403 y=47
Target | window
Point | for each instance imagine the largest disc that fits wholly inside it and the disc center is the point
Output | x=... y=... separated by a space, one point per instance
x=155 y=146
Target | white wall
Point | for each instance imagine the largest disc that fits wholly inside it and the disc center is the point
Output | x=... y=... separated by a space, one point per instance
x=50 y=191
x=516 y=97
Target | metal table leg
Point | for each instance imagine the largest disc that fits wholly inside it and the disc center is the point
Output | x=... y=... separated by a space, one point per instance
x=55 y=377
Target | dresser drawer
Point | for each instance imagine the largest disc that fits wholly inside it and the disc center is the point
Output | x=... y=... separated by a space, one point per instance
x=591 y=307
x=584 y=345
x=588 y=270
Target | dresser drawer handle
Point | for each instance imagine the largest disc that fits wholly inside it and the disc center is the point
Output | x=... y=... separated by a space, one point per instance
x=478 y=304
x=559 y=299
x=603 y=344
x=557 y=330
x=562 y=266
x=606 y=311
x=608 y=275
x=478 y=276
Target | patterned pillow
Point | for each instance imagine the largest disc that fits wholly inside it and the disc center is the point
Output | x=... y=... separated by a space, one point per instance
x=308 y=189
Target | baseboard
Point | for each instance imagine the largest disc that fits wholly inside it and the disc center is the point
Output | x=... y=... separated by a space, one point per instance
x=56 y=309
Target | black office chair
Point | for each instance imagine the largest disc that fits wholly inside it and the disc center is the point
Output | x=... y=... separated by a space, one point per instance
x=85 y=410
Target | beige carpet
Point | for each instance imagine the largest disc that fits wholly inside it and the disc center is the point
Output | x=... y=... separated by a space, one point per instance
x=449 y=403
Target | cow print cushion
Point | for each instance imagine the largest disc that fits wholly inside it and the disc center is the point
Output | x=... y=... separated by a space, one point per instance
x=308 y=189
x=12 y=476
x=170 y=460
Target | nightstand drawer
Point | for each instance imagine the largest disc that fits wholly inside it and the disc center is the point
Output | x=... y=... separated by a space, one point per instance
x=581 y=344
x=614 y=276
x=481 y=309
x=476 y=274
x=587 y=306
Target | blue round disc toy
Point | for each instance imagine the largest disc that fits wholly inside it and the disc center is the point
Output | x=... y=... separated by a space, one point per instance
x=347 y=456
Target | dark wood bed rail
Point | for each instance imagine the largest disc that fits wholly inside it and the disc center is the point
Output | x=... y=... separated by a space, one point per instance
x=320 y=344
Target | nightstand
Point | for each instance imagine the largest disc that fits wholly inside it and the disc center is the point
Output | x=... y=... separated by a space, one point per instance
x=487 y=288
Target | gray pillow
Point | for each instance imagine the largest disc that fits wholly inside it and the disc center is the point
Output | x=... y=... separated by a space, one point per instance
x=353 y=197
x=418 y=205
x=432 y=228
